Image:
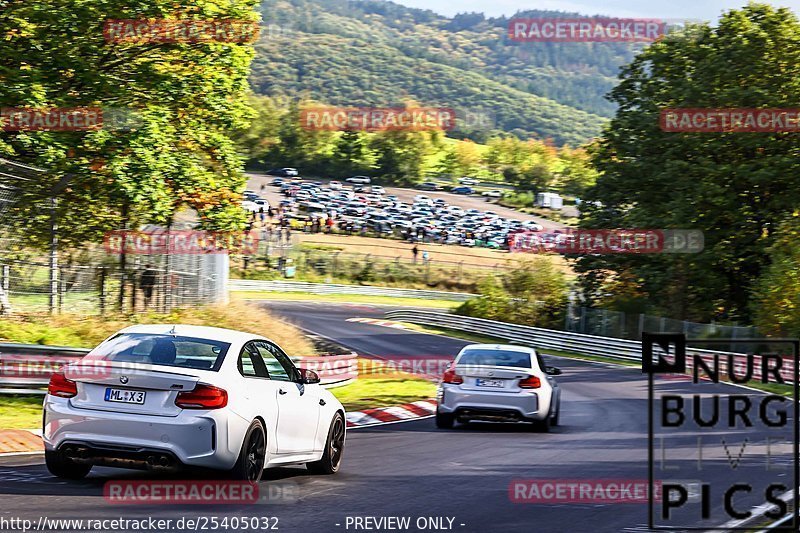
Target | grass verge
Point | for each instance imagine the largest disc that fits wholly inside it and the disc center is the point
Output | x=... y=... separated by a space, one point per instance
x=367 y=392
x=82 y=331
x=25 y=412
x=20 y=412
x=344 y=298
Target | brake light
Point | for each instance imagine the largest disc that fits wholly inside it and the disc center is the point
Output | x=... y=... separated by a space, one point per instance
x=531 y=382
x=202 y=397
x=450 y=376
x=61 y=386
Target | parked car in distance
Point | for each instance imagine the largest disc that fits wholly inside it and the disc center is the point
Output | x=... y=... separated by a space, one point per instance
x=361 y=180
x=493 y=194
x=430 y=186
x=532 y=226
x=286 y=172
x=462 y=190
x=377 y=189
x=250 y=206
x=335 y=185
x=468 y=181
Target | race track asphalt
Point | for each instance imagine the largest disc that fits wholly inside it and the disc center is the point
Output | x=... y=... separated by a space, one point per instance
x=415 y=470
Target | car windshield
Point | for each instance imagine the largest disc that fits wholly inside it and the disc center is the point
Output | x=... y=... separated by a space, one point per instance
x=165 y=350
x=495 y=358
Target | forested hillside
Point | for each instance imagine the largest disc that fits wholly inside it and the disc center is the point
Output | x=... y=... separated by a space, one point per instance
x=379 y=53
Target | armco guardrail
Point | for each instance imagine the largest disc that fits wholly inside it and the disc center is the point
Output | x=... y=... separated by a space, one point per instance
x=243 y=285
x=541 y=338
x=26 y=368
x=564 y=341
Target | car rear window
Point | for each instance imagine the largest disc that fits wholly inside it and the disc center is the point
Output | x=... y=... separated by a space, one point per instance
x=166 y=350
x=495 y=358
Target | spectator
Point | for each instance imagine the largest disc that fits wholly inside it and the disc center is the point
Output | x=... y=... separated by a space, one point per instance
x=414 y=252
x=425 y=257
x=329 y=224
x=147 y=282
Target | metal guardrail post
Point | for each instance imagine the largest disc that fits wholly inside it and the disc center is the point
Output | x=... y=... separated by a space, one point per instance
x=102 y=282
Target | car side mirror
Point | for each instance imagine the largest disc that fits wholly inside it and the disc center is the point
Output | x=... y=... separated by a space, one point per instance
x=308 y=377
x=552 y=371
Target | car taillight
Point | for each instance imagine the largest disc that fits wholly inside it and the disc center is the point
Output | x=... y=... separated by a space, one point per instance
x=531 y=382
x=61 y=386
x=450 y=376
x=202 y=397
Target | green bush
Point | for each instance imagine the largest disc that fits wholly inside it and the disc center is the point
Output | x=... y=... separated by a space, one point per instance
x=534 y=293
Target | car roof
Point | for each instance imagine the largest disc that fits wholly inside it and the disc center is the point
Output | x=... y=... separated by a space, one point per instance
x=203 y=332
x=500 y=347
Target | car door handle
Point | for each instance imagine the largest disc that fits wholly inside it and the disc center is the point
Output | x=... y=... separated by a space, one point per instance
x=321 y=402
x=281 y=391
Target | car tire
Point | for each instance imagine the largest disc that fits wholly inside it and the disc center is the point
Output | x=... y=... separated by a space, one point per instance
x=542 y=426
x=65 y=468
x=250 y=464
x=445 y=420
x=554 y=421
x=334 y=449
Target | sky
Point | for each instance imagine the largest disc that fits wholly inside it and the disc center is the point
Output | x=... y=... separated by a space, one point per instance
x=672 y=9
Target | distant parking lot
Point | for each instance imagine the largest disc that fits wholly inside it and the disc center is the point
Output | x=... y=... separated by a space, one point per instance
x=441 y=217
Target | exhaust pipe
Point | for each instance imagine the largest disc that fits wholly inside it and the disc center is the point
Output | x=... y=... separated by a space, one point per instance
x=76 y=453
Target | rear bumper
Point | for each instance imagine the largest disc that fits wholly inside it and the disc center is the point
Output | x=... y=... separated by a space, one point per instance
x=494 y=406
x=198 y=438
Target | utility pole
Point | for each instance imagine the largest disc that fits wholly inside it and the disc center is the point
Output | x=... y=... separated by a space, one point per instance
x=53 y=255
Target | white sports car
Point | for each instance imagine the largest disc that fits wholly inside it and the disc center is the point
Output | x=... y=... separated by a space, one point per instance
x=499 y=383
x=164 y=397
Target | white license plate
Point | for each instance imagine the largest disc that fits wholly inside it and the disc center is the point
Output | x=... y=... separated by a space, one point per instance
x=125 y=396
x=496 y=383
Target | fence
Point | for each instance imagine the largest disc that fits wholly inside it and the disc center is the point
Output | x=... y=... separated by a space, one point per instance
x=92 y=280
x=390 y=263
x=94 y=288
x=321 y=288
x=26 y=368
x=607 y=323
x=578 y=343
